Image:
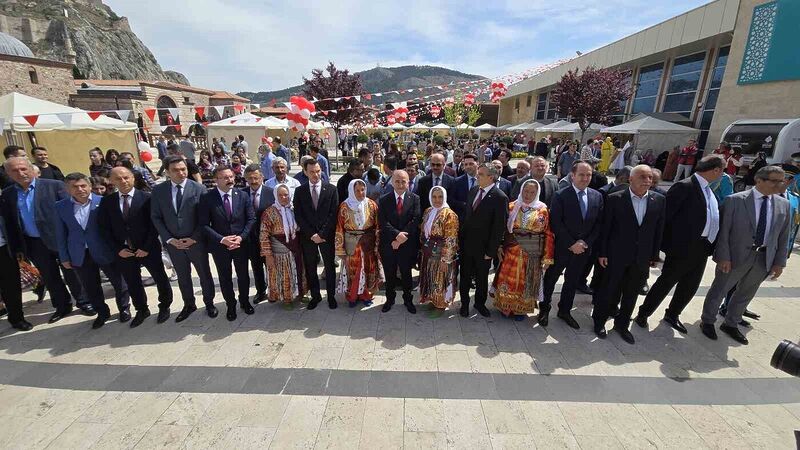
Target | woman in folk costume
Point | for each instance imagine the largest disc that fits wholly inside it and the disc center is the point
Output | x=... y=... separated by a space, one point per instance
x=438 y=268
x=607 y=151
x=357 y=244
x=526 y=253
x=281 y=249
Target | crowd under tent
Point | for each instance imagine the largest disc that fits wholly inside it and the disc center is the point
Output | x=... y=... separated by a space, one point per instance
x=648 y=132
x=67 y=133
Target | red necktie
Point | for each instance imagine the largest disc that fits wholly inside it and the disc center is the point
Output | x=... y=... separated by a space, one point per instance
x=478 y=200
x=399 y=205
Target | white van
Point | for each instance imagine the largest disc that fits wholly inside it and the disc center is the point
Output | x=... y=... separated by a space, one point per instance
x=778 y=138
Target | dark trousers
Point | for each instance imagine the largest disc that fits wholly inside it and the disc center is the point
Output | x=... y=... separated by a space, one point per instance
x=684 y=273
x=50 y=269
x=572 y=266
x=89 y=274
x=223 y=260
x=595 y=268
x=392 y=262
x=131 y=270
x=477 y=267
x=619 y=289
x=257 y=263
x=182 y=262
x=311 y=255
x=10 y=290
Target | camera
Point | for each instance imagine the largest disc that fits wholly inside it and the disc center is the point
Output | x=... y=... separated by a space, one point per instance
x=787 y=358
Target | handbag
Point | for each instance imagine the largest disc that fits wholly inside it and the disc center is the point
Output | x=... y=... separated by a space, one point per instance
x=531 y=243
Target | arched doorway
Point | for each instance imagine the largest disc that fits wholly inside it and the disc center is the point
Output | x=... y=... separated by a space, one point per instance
x=164 y=117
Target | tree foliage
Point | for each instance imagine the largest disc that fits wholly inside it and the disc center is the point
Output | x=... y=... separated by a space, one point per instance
x=333 y=83
x=458 y=113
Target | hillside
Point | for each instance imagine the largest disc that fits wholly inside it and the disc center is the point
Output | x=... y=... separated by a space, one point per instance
x=382 y=79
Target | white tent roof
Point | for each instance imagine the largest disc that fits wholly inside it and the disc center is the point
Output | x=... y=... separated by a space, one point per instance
x=485 y=126
x=643 y=123
x=553 y=126
x=398 y=127
x=242 y=120
x=440 y=126
x=52 y=116
x=569 y=128
x=465 y=126
x=504 y=127
x=418 y=126
x=526 y=126
x=317 y=125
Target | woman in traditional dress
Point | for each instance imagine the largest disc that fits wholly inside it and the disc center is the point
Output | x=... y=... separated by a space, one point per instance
x=437 y=276
x=357 y=244
x=281 y=249
x=526 y=253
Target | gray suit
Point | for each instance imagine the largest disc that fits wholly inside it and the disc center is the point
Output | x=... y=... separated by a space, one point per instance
x=749 y=267
x=183 y=224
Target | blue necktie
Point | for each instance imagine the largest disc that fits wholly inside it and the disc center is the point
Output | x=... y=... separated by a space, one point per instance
x=761 y=229
x=581 y=195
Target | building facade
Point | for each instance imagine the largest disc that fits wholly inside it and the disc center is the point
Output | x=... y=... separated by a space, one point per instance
x=26 y=74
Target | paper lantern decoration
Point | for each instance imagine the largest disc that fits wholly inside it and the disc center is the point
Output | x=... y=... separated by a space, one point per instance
x=390 y=119
x=401 y=113
x=498 y=91
x=412 y=118
x=146 y=156
x=449 y=101
x=300 y=110
x=469 y=100
x=435 y=110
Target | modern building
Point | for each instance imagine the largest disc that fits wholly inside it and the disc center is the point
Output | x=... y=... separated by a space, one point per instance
x=29 y=75
x=721 y=62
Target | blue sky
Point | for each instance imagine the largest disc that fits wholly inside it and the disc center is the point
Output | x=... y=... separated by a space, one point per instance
x=255 y=45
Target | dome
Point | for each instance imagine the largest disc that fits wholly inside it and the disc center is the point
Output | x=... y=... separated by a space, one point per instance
x=9 y=45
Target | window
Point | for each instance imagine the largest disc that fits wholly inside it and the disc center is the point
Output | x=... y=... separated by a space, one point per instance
x=712 y=96
x=619 y=116
x=683 y=82
x=647 y=88
x=516 y=104
x=541 y=106
x=528 y=102
x=186 y=99
x=34 y=76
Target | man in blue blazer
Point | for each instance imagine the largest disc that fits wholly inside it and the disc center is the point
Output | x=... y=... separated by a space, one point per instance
x=501 y=183
x=576 y=220
x=226 y=216
x=261 y=198
x=82 y=247
x=463 y=185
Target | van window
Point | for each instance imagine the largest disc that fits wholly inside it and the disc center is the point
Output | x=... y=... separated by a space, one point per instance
x=754 y=138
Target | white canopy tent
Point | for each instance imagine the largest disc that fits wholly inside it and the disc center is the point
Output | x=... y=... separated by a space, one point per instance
x=252 y=127
x=418 y=126
x=67 y=133
x=551 y=127
x=530 y=126
x=398 y=127
x=464 y=126
x=651 y=133
x=441 y=128
x=485 y=127
x=572 y=129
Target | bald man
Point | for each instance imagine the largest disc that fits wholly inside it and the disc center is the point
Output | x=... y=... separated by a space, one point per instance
x=437 y=177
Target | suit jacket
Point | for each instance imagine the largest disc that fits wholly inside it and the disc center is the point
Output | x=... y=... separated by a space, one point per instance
x=183 y=223
x=342 y=185
x=265 y=200
x=138 y=231
x=484 y=227
x=321 y=221
x=567 y=222
x=548 y=185
x=505 y=186
x=213 y=218
x=73 y=240
x=426 y=184
x=457 y=197
x=46 y=194
x=392 y=224
x=686 y=217
x=737 y=230
x=623 y=240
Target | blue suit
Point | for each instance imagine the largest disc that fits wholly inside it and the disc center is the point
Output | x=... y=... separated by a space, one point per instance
x=457 y=196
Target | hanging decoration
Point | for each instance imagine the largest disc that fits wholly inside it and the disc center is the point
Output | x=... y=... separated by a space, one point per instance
x=435 y=110
x=499 y=90
x=300 y=110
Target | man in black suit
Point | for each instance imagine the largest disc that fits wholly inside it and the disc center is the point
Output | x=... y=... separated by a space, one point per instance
x=501 y=183
x=575 y=218
x=399 y=217
x=437 y=177
x=259 y=196
x=316 y=204
x=522 y=174
x=10 y=151
x=633 y=225
x=481 y=234
x=548 y=184
x=463 y=185
x=355 y=170
x=10 y=290
x=226 y=216
x=691 y=227
x=124 y=219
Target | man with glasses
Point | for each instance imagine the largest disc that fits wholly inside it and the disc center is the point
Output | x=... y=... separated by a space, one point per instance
x=437 y=177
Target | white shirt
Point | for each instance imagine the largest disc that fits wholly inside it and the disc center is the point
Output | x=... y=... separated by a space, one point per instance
x=175 y=192
x=290 y=182
x=130 y=199
x=585 y=199
x=639 y=206
x=222 y=197
x=757 y=197
x=398 y=196
x=255 y=196
x=711 y=228
x=82 y=211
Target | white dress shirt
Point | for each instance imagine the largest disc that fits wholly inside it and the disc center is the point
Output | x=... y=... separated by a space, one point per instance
x=222 y=197
x=290 y=182
x=585 y=199
x=757 y=197
x=130 y=199
x=175 y=192
x=711 y=228
x=639 y=206
x=82 y=211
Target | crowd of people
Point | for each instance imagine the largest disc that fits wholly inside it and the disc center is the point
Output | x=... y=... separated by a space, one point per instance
x=474 y=227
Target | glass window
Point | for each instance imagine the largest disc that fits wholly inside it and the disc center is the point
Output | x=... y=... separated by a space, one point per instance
x=528 y=102
x=711 y=100
x=647 y=88
x=679 y=102
x=644 y=105
x=683 y=83
x=713 y=95
x=541 y=106
x=687 y=64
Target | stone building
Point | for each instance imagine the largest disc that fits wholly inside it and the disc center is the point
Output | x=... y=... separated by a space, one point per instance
x=26 y=74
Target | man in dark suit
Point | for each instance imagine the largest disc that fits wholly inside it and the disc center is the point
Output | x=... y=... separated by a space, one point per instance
x=259 y=197
x=227 y=217
x=521 y=174
x=690 y=230
x=463 y=185
x=173 y=209
x=399 y=217
x=316 y=204
x=548 y=184
x=355 y=170
x=10 y=290
x=575 y=218
x=124 y=219
x=10 y=151
x=501 y=183
x=81 y=247
x=481 y=233
x=633 y=225
x=30 y=218
x=437 y=177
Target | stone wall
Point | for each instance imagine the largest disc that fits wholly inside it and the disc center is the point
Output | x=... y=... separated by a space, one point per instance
x=55 y=84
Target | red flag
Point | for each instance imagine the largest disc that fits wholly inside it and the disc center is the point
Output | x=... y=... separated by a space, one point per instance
x=178 y=128
x=238 y=108
x=367 y=96
x=94 y=114
x=151 y=113
x=32 y=119
x=201 y=110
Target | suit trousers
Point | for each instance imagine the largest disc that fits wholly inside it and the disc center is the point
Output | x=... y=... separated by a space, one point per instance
x=474 y=266
x=683 y=171
x=311 y=255
x=50 y=270
x=182 y=262
x=223 y=260
x=619 y=288
x=89 y=274
x=682 y=272
x=131 y=270
x=572 y=266
x=10 y=290
x=746 y=276
x=392 y=261
x=257 y=263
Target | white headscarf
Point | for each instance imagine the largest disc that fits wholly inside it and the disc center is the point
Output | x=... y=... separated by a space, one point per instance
x=434 y=210
x=358 y=207
x=287 y=215
x=519 y=203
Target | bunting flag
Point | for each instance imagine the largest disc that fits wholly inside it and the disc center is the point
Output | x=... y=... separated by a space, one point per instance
x=164 y=128
x=176 y=112
x=123 y=114
x=31 y=119
x=238 y=108
x=220 y=110
x=66 y=119
x=94 y=114
x=200 y=110
x=151 y=113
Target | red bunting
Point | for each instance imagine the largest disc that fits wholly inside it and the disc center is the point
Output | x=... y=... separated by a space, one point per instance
x=238 y=108
x=151 y=113
x=94 y=114
x=200 y=110
x=233 y=122
x=367 y=96
x=32 y=119
x=178 y=128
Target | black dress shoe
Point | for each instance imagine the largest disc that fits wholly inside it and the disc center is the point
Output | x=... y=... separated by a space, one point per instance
x=3 y=311
x=675 y=323
x=614 y=312
x=231 y=313
x=99 y=321
x=260 y=297
x=313 y=304
x=185 y=313
x=464 y=311
x=641 y=321
x=734 y=333
x=483 y=310
x=626 y=335
x=212 y=311
x=248 y=309
x=163 y=315
x=22 y=325
x=745 y=323
x=387 y=306
x=751 y=314
x=124 y=316
x=410 y=307
x=600 y=331
x=584 y=289
x=709 y=331
x=87 y=310
x=332 y=303
x=58 y=315
x=138 y=319
x=567 y=317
